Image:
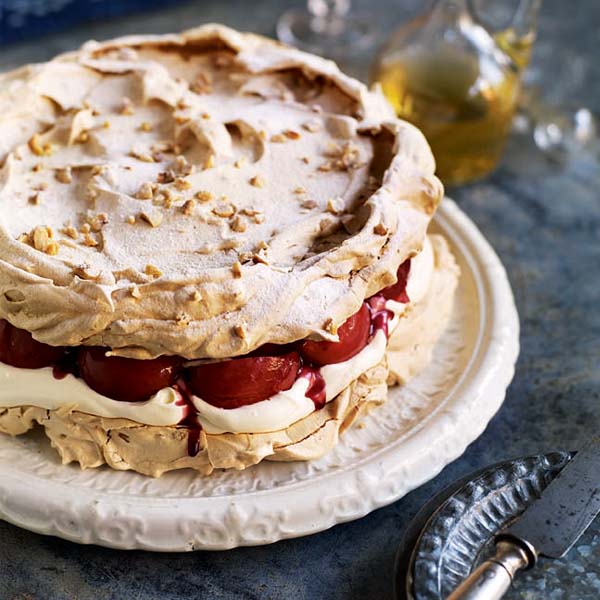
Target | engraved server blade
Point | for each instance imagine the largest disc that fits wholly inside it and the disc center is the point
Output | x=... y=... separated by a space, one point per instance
x=567 y=507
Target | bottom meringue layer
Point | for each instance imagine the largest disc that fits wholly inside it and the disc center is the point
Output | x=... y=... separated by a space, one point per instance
x=153 y=449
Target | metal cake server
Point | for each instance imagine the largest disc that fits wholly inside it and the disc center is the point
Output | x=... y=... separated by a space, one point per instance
x=549 y=527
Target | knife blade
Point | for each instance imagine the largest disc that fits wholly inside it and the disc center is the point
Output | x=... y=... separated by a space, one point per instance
x=554 y=522
x=550 y=526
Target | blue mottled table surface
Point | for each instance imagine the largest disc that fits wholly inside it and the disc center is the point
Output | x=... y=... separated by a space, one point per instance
x=541 y=214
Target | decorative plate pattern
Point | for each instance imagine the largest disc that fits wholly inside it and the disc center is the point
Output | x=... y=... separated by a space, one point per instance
x=394 y=449
x=460 y=532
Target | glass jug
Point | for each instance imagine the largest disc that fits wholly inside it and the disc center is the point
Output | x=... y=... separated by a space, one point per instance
x=456 y=73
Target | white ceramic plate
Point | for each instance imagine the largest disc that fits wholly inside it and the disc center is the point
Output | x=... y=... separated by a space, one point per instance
x=396 y=448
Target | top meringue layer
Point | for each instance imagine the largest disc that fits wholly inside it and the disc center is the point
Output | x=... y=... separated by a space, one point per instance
x=200 y=194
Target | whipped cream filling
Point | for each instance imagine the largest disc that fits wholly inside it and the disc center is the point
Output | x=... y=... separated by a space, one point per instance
x=39 y=387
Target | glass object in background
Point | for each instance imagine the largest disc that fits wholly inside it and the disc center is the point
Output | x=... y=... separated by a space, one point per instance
x=325 y=27
x=455 y=73
x=558 y=116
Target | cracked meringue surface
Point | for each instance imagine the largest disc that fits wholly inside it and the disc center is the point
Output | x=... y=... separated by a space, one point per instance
x=200 y=194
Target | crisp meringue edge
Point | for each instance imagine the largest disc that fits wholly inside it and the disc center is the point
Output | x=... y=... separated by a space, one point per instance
x=411 y=171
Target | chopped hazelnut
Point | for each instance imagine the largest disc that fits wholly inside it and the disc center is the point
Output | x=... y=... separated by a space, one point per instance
x=238 y=225
x=134 y=290
x=259 y=258
x=343 y=158
x=152 y=271
x=380 y=229
x=330 y=327
x=204 y=196
x=188 y=207
x=165 y=197
x=146 y=192
x=166 y=177
x=224 y=210
x=237 y=269
x=183 y=166
x=99 y=221
x=249 y=211
x=257 y=181
x=154 y=218
x=41 y=237
x=38 y=148
x=181 y=162
x=83 y=271
x=143 y=156
x=210 y=162
x=89 y=241
x=168 y=199
x=64 y=175
x=291 y=134
x=278 y=138
x=130 y=219
x=71 y=232
x=52 y=249
x=240 y=331
x=240 y=162
x=145 y=126
x=335 y=207
x=182 y=184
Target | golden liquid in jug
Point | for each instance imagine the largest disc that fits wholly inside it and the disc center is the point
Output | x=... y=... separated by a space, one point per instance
x=463 y=103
